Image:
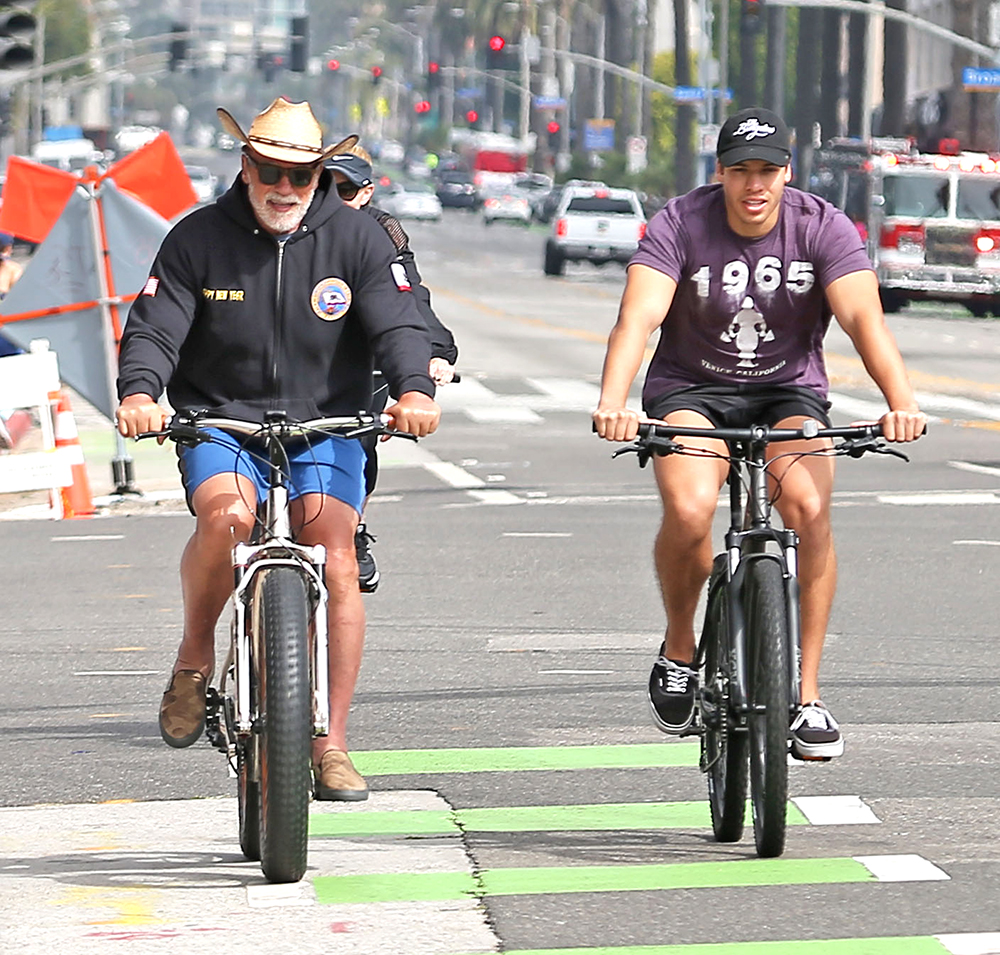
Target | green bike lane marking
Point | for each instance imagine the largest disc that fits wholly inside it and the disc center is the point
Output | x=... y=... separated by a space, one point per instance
x=419 y=762
x=558 y=880
x=604 y=817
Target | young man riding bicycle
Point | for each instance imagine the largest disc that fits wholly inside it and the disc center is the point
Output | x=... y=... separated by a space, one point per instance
x=276 y=297
x=741 y=277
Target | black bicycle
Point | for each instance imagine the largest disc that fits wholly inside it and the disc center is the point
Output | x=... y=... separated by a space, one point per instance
x=748 y=655
x=273 y=695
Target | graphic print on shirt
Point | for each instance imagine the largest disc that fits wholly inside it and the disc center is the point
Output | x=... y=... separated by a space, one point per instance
x=749 y=295
x=748 y=330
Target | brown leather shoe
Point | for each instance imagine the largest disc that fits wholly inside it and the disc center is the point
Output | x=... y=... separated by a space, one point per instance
x=337 y=780
x=182 y=711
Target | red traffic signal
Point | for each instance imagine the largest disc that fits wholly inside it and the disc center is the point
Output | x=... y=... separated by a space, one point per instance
x=553 y=127
x=472 y=116
x=333 y=65
x=433 y=67
x=376 y=71
x=497 y=43
x=422 y=106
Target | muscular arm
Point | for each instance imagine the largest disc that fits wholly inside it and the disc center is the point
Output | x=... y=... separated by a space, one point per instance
x=855 y=301
x=645 y=302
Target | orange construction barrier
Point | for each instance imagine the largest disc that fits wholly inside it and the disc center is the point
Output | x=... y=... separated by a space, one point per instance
x=76 y=499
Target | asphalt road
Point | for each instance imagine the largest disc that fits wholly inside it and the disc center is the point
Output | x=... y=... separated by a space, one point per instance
x=512 y=635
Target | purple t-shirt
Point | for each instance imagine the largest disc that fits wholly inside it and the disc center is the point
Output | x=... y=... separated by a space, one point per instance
x=746 y=310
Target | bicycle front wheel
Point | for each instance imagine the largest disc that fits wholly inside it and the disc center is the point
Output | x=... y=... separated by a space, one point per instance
x=284 y=725
x=723 y=747
x=767 y=641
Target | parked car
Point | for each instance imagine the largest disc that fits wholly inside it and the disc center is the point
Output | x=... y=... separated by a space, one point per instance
x=594 y=224
x=534 y=186
x=506 y=204
x=203 y=181
x=546 y=209
x=457 y=189
x=410 y=202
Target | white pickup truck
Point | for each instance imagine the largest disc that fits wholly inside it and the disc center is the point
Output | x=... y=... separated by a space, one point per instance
x=594 y=223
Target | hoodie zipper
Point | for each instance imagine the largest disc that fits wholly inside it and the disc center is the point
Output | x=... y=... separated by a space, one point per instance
x=277 y=324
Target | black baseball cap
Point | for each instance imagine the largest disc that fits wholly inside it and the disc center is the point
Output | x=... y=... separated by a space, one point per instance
x=353 y=167
x=754 y=133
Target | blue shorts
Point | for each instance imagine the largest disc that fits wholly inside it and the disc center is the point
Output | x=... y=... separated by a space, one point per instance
x=328 y=465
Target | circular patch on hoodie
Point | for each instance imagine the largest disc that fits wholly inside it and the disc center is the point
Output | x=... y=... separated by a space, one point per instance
x=331 y=298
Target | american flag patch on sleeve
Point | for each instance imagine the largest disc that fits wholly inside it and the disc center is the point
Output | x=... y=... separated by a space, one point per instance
x=152 y=284
x=399 y=275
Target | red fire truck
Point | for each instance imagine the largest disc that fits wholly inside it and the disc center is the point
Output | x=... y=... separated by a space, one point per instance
x=931 y=221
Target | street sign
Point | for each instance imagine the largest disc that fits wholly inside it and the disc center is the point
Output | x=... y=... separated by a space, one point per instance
x=599 y=135
x=689 y=94
x=635 y=154
x=979 y=80
x=708 y=138
x=549 y=102
x=695 y=94
x=469 y=92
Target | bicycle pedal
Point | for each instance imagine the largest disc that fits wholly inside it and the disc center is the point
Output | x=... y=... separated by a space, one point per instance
x=792 y=754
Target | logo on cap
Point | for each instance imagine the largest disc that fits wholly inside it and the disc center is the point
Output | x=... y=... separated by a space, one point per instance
x=752 y=128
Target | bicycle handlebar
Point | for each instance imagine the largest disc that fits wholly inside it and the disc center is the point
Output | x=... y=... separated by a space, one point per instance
x=810 y=430
x=190 y=428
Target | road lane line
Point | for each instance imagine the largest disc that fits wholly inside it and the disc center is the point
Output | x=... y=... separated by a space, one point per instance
x=835 y=810
x=902 y=868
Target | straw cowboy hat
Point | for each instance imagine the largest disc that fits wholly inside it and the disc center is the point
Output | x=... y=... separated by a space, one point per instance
x=285 y=132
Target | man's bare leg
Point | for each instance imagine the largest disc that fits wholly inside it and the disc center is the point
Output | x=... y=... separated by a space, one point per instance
x=224 y=505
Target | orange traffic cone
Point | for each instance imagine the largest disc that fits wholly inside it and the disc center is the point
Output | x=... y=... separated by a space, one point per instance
x=76 y=499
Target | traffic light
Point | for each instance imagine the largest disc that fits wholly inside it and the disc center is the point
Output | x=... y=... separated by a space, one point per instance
x=298 y=46
x=472 y=117
x=17 y=28
x=552 y=128
x=752 y=18
x=333 y=66
x=376 y=75
x=178 y=46
x=498 y=57
x=421 y=106
x=433 y=74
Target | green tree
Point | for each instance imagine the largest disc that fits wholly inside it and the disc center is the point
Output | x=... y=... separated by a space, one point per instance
x=67 y=31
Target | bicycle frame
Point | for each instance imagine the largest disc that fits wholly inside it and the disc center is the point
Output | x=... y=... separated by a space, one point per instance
x=746 y=540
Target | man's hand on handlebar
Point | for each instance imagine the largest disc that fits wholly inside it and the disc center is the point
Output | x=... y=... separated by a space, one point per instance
x=441 y=370
x=139 y=414
x=903 y=425
x=415 y=414
x=616 y=424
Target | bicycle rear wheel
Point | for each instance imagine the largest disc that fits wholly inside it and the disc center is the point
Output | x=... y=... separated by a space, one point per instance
x=723 y=749
x=767 y=642
x=284 y=731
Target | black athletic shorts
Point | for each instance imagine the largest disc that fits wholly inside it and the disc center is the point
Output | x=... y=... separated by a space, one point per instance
x=741 y=406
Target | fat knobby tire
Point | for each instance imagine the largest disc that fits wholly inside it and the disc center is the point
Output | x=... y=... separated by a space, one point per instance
x=724 y=751
x=285 y=739
x=767 y=643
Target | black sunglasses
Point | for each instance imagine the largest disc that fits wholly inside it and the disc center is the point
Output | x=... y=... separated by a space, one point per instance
x=270 y=175
x=347 y=190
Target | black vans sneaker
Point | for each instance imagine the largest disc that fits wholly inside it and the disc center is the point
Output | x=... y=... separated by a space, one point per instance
x=815 y=733
x=368 y=575
x=672 y=689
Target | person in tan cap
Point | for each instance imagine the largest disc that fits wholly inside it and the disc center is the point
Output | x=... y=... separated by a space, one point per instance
x=276 y=297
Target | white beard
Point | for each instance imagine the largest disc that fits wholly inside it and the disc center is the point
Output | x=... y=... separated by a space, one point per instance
x=281 y=222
